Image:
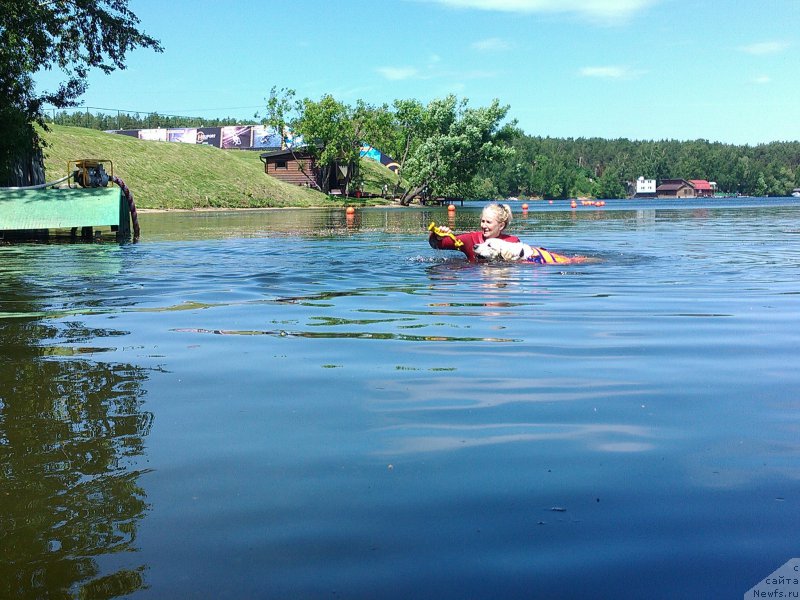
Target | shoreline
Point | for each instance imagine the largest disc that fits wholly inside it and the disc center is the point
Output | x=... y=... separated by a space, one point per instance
x=261 y=208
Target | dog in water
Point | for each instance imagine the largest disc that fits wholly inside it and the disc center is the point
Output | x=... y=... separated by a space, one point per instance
x=497 y=249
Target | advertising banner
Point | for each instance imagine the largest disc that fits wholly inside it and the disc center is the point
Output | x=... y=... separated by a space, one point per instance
x=130 y=132
x=183 y=135
x=153 y=135
x=378 y=156
x=209 y=136
x=291 y=140
x=266 y=137
x=371 y=153
x=236 y=137
x=242 y=137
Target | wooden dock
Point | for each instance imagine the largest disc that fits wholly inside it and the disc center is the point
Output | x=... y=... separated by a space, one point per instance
x=72 y=208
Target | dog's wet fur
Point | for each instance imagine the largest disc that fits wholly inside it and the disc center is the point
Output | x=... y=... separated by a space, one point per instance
x=497 y=249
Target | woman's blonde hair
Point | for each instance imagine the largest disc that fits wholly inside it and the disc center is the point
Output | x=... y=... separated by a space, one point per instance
x=501 y=212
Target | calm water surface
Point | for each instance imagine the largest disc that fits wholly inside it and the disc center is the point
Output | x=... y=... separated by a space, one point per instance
x=288 y=404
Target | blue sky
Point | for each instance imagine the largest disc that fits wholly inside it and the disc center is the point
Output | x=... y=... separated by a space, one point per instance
x=722 y=70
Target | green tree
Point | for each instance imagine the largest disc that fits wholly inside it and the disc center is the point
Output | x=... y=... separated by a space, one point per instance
x=609 y=185
x=557 y=167
x=72 y=36
x=410 y=127
x=582 y=185
x=744 y=175
x=651 y=162
x=452 y=143
x=333 y=132
x=760 y=188
x=781 y=180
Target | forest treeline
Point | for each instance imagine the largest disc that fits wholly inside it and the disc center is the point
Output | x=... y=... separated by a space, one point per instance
x=124 y=120
x=570 y=167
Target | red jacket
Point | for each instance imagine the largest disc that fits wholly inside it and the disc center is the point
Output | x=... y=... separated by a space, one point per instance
x=469 y=240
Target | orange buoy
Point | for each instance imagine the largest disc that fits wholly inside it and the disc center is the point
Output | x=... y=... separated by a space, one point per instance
x=451 y=208
x=350 y=210
x=573 y=204
x=524 y=207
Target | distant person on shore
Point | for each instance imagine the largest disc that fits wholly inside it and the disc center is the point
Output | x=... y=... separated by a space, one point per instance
x=495 y=218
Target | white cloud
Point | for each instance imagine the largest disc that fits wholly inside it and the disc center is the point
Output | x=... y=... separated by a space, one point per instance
x=605 y=10
x=610 y=72
x=761 y=48
x=432 y=71
x=491 y=45
x=398 y=73
x=762 y=79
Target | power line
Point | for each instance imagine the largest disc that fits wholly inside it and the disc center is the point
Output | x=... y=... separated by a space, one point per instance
x=227 y=108
x=149 y=112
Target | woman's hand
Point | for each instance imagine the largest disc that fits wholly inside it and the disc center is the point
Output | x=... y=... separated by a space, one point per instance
x=443 y=231
x=439 y=233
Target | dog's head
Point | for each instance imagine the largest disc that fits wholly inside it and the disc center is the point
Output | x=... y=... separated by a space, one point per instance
x=497 y=249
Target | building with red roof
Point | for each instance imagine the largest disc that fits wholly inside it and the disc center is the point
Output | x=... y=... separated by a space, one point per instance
x=702 y=188
x=681 y=188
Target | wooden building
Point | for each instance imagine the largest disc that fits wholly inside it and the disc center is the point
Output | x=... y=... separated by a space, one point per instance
x=675 y=188
x=298 y=167
x=292 y=166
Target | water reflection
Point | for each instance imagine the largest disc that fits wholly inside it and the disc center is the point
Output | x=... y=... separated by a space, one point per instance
x=71 y=431
x=365 y=335
x=303 y=367
x=421 y=437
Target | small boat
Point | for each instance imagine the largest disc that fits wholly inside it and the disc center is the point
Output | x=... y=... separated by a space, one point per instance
x=796 y=192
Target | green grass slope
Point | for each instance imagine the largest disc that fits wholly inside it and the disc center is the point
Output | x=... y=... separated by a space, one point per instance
x=375 y=175
x=178 y=176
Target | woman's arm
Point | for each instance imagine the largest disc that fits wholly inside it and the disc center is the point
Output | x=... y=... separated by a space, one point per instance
x=441 y=235
x=464 y=242
x=445 y=243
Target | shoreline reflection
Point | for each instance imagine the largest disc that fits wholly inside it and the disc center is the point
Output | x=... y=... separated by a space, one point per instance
x=71 y=433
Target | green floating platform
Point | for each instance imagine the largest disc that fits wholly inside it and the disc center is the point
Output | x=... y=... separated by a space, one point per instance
x=64 y=209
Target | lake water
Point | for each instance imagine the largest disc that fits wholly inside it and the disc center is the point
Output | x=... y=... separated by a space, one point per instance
x=291 y=404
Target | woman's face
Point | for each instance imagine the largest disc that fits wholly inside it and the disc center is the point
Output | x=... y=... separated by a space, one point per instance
x=490 y=226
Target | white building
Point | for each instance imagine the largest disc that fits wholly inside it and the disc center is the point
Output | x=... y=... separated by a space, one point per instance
x=645 y=187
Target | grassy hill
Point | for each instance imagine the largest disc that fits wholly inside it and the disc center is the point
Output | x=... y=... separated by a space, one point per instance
x=185 y=176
